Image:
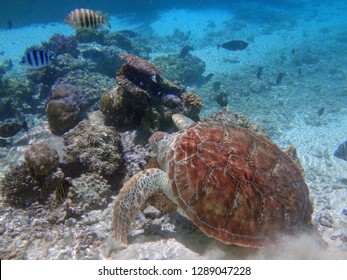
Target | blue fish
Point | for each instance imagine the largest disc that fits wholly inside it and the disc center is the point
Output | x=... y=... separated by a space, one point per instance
x=36 y=59
x=341 y=151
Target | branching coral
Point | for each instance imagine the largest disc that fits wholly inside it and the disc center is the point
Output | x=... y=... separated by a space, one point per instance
x=193 y=103
x=60 y=44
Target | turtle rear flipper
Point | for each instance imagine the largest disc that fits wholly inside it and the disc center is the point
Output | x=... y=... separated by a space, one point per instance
x=132 y=196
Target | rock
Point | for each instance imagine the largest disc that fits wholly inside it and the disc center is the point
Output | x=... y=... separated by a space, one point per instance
x=142 y=97
x=93 y=147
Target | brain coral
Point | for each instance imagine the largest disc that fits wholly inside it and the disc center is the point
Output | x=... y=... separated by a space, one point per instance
x=93 y=147
x=63 y=107
x=41 y=159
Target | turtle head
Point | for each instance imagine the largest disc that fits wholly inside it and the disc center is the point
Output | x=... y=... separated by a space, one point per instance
x=158 y=141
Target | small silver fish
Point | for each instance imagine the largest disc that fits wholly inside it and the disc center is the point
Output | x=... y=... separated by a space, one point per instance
x=36 y=59
x=87 y=19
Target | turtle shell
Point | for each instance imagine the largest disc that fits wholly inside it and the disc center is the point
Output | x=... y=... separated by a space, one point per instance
x=235 y=185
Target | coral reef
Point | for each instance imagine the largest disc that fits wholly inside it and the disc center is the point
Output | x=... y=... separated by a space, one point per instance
x=123 y=41
x=133 y=62
x=60 y=44
x=115 y=109
x=136 y=150
x=187 y=70
x=225 y=115
x=90 y=50
x=63 y=107
x=41 y=159
x=22 y=188
x=91 y=35
x=105 y=58
x=171 y=101
x=93 y=147
x=88 y=192
x=120 y=40
x=92 y=84
x=58 y=68
x=143 y=97
x=16 y=97
x=193 y=104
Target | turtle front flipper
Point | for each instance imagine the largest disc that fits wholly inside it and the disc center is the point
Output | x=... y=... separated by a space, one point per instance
x=132 y=196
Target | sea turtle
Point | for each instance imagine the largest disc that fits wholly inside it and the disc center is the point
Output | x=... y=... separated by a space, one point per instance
x=235 y=185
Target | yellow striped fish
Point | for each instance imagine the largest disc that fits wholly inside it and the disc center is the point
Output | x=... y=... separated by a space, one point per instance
x=87 y=19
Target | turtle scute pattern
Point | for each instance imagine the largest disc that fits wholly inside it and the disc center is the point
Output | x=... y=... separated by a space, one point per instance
x=235 y=185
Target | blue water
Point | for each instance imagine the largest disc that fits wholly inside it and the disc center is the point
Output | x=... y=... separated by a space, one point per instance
x=305 y=40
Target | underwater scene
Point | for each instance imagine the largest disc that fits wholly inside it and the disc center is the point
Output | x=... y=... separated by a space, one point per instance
x=181 y=130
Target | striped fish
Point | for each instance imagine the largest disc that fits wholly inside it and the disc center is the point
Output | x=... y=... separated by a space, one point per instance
x=341 y=151
x=36 y=59
x=86 y=19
